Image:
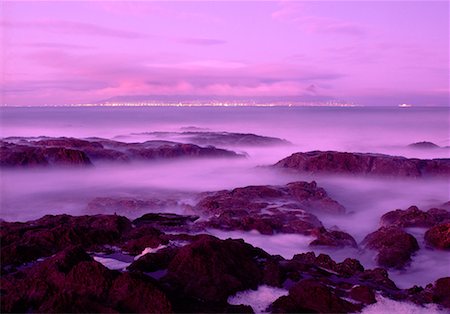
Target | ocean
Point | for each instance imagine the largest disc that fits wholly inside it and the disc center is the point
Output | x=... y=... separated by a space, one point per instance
x=31 y=193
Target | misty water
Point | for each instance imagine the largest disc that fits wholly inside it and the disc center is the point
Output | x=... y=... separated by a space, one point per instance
x=31 y=193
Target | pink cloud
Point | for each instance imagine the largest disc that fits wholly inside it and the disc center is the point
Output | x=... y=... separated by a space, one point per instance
x=201 y=41
x=72 y=27
x=295 y=13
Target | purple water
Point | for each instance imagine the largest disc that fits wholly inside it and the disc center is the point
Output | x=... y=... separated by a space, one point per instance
x=29 y=194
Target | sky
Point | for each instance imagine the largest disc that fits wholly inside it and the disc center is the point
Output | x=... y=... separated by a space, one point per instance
x=367 y=53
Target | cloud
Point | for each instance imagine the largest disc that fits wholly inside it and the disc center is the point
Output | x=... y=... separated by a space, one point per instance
x=201 y=41
x=296 y=14
x=73 y=27
x=77 y=76
x=49 y=45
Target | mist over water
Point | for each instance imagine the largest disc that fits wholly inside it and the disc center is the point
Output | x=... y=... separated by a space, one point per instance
x=31 y=193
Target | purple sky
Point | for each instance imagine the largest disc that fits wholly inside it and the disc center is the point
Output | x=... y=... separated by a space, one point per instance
x=370 y=53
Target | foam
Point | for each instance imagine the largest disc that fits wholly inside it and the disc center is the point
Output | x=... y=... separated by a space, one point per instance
x=385 y=305
x=258 y=299
x=112 y=263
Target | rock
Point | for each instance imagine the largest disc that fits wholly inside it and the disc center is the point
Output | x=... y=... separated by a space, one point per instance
x=25 y=242
x=439 y=236
x=364 y=164
x=268 y=209
x=414 y=217
x=394 y=246
x=131 y=293
x=333 y=238
x=71 y=151
x=311 y=296
x=137 y=239
x=349 y=267
x=441 y=292
x=423 y=145
x=363 y=294
x=152 y=262
x=211 y=270
x=12 y=155
x=377 y=278
x=162 y=220
x=71 y=281
x=219 y=139
x=36 y=286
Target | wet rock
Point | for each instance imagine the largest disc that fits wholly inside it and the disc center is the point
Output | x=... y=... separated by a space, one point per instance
x=269 y=209
x=394 y=246
x=36 y=286
x=363 y=294
x=162 y=220
x=71 y=281
x=219 y=138
x=349 y=267
x=137 y=239
x=378 y=278
x=414 y=217
x=131 y=293
x=441 y=292
x=333 y=238
x=13 y=155
x=439 y=236
x=152 y=262
x=71 y=151
x=25 y=242
x=211 y=270
x=310 y=296
x=364 y=164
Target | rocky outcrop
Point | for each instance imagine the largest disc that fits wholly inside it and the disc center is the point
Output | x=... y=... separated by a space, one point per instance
x=310 y=296
x=71 y=281
x=364 y=164
x=394 y=246
x=26 y=242
x=182 y=273
x=71 y=151
x=273 y=209
x=210 y=269
x=14 y=155
x=218 y=139
x=414 y=217
x=423 y=145
x=439 y=236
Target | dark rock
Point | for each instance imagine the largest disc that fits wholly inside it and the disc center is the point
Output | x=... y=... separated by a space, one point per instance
x=210 y=269
x=310 y=296
x=131 y=293
x=13 y=155
x=152 y=262
x=349 y=267
x=394 y=246
x=71 y=281
x=71 y=151
x=136 y=240
x=333 y=238
x=378 y=278
x=363 y=294
x=161 y=220
x=439 y=236
x=441 y=292
x=270 y=209
x=364 y=164
x=424 y=145
x=220 y=139
x=414 y=217
x=25 y=242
